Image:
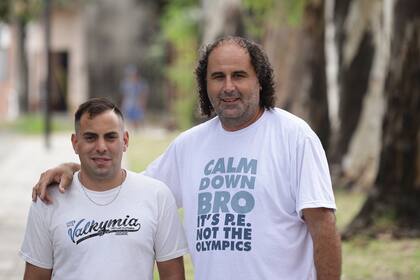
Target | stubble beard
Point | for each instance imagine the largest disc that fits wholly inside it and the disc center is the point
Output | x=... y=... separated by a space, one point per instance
x=99 y=173
x=239 y=120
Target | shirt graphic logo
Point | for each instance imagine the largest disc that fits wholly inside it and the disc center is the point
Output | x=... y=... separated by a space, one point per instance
x=225 y=198
x=84 y=229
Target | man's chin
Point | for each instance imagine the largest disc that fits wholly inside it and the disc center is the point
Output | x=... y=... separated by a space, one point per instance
x=230 y=113
x=102 y=173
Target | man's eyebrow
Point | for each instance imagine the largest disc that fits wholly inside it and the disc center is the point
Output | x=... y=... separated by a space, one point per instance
x=111 y=133
x=218 y=73
x=236 y=72
x=240 y=72
x=88 y=133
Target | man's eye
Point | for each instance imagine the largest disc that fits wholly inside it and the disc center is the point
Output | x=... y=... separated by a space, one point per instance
x=89 y=138
x=239 y=75
x=218 y=77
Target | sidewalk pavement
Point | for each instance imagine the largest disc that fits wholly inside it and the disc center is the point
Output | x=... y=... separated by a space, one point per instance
x=22 y=159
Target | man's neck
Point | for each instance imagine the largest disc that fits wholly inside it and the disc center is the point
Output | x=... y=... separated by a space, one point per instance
x=232 y=126
x=102 y=183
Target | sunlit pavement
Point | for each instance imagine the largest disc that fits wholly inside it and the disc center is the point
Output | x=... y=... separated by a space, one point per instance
x=22 y=159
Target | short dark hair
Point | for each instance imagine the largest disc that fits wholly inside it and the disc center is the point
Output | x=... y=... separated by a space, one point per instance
x=259 y=61
x=94 y=107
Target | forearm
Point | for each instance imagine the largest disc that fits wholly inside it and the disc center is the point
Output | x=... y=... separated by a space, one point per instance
x=36 y=273
x=178 y=276
x=172 y=269
x=327 y=254
x=326 y=242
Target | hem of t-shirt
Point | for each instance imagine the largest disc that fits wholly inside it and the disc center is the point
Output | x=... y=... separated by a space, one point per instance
x=174 y=255
x=30 y=260
x=316 y=204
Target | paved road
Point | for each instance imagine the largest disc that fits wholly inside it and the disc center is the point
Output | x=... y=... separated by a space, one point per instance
x=22 y=158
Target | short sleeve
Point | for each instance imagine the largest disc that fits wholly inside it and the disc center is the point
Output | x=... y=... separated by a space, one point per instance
x=170 y=239
x=314 y=189
x=37 y=246
x=166 y=169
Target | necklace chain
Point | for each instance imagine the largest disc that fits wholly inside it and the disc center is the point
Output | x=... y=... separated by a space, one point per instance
x=109 y=202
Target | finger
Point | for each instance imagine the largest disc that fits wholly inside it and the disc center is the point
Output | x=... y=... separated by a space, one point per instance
x=47 y=199
x=38 y=186
x=43 y=195
x=42 y=192
x=64 y=183
x=34 y=193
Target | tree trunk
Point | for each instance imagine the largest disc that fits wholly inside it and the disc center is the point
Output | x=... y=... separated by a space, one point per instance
x=361 y=161
x=355 y=53
x=309 y=95
x=341 y=10
x=22 y=65
x=221 y=18
x=280 y=40
x=392 y=206
x=354 y=82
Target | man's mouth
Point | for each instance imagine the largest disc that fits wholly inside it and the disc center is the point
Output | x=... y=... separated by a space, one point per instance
x=101 y=160
x=229 y=99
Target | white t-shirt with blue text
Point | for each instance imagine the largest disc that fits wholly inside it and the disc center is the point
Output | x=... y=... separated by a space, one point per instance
x=243 y=193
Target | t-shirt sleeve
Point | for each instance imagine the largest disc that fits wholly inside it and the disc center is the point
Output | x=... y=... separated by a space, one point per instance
x=314 y=189
x=37 y=246
x=166 y=169
x=170 y=239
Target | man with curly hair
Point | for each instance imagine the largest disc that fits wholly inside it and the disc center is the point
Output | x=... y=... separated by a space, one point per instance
x=253 y=180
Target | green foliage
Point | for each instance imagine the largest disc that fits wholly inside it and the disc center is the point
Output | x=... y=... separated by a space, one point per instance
x=348 y=203
x=381 y=259
x=34 y=124
x=259 y=14
x=146 y=146
x=294 y=10
x=387 y=219
x=4 y=10
x=24 y=10
x=179 y=23
x=259 y=7
x=263 y=13
x=180 y=29
x=27 y=10
x=184 y=110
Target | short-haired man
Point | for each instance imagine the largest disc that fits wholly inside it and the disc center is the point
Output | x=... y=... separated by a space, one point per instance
x=253 y=181
x=113 y=223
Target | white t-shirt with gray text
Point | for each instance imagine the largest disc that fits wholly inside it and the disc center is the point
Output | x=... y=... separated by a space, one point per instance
x=243 y=193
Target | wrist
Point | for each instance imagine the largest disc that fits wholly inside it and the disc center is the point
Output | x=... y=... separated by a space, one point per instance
x=75 y=167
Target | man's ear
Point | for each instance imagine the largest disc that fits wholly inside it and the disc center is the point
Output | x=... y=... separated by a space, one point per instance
x=74 y=141
x=125 y=139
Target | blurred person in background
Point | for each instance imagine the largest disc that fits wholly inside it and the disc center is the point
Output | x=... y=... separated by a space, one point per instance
x=253 y=180
x=134 y=91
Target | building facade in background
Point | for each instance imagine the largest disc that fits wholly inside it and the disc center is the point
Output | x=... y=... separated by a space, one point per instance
x=91 y=44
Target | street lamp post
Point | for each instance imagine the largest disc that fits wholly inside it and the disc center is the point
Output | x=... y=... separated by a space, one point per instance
x=47 y=106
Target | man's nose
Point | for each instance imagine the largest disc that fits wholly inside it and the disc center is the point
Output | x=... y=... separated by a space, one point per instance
x=101 y=145
x=228 y=86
